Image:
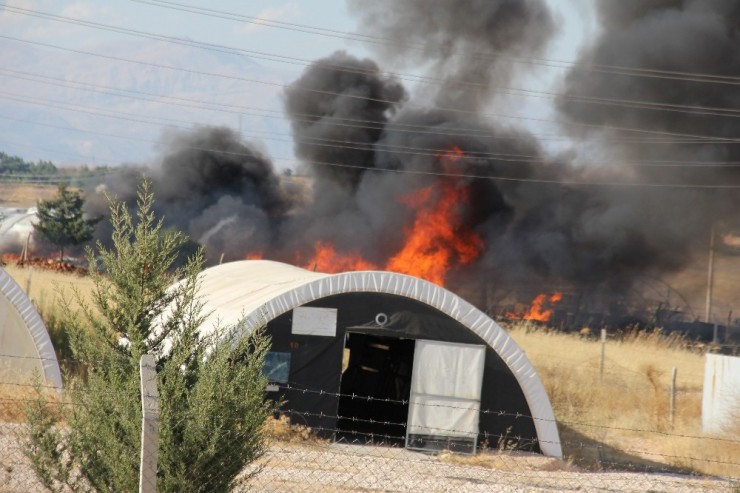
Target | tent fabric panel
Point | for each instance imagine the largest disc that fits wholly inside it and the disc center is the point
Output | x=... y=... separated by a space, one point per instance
x=446 y=389
x=441 y=416
x=448 y=369
x=43 y=350
x=268 y=289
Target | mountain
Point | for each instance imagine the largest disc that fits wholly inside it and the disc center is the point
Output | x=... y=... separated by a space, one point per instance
x=75 y=128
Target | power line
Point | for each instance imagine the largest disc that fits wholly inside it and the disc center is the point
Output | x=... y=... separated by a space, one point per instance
x=342 y=144
x=237 y=110
x=565 y=64
x=397 y=126
x=697 y=110
x=542 y=181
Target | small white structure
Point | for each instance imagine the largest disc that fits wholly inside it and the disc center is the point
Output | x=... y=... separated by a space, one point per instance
x=25 y=346
x=721 y=400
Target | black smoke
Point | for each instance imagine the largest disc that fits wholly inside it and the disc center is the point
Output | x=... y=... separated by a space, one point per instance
x=338 y=109
x=469 y=43
x=626 y=201
x=223 y=193
x=657 y=67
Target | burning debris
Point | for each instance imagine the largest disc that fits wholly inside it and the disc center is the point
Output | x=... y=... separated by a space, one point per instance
x=42 y=263
x=537 y=312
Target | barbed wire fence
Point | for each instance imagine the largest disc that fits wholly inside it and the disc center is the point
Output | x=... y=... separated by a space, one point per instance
x=355 y=453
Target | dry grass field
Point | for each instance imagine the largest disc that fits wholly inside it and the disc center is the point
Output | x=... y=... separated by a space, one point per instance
x=623 y=418
x=24 y=194
x=48 y=289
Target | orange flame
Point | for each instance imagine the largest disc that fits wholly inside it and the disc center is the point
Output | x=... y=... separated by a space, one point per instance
x=327 y=259
x=435 y=243
x=452 y=155
x=255 y=256
x=536 y=312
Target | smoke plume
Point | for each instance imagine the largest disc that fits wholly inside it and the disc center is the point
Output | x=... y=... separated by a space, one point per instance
x=223 y=193
x=625 y=201
x=644 y=72
x=468 y=43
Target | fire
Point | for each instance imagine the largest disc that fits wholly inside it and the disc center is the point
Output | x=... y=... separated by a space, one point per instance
x=255 y=256
x=536 y=312
x=452 y=155
x=435 y=242
x=327 y=259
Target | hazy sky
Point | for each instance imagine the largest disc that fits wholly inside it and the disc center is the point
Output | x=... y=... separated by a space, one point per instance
x=28 y=20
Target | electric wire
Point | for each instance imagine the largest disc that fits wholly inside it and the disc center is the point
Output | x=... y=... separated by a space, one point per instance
x=356 y=36
x=400 y=127
x=408 y=77
x=344 y=144
x=543 y=181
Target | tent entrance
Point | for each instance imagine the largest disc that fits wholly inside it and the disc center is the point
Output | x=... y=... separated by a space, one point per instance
x=374 y=389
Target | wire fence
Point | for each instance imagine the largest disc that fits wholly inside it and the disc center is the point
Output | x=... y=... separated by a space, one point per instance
x=345 y=450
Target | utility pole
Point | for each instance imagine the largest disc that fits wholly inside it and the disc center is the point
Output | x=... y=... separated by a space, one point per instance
x=710 y=276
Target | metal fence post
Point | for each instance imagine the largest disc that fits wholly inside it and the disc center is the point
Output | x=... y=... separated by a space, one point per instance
x=603 y=347
x=673 y=395
x=149 y=425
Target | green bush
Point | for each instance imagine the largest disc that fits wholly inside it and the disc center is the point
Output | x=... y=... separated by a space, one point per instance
x=211 y=389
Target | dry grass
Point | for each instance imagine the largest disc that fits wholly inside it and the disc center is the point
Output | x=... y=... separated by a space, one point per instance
x=48 y=289
x=282 y=430
x=505 y=460
x=13 y=399
x=24 y=194
x=623 y=417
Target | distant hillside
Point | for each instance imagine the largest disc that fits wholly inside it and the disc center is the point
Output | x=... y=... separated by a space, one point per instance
x=91 y=110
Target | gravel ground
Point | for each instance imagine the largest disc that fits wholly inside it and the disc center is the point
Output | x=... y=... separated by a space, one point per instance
x=324 y=467
x=347 y=468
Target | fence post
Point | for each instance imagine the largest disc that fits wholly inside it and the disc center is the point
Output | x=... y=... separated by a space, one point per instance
x=673 y=394
x=28 y=281
x=149 y=425
x=603 y=348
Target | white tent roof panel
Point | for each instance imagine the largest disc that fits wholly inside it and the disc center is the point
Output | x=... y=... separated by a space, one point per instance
x=25 y=346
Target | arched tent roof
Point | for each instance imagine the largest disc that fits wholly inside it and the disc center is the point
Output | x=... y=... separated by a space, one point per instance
x=253 y=292
x=25 y=346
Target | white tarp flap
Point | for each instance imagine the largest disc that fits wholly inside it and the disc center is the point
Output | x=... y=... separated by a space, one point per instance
x=445 y=389
x=437 y=416
x=315 y=321
x=720 y=405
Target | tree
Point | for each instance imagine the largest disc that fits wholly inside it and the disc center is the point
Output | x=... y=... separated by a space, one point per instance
x=211 y=389
x=61 y=220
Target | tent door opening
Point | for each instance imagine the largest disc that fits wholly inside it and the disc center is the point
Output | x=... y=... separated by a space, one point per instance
x=374 y=389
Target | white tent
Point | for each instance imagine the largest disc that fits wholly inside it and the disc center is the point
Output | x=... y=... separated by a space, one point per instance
x=251 y=293
x=25 y=346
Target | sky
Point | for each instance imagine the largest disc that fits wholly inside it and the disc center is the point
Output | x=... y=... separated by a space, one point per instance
x=53 y=97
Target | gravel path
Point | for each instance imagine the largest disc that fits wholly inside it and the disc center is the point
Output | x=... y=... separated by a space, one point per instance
x=333 y=468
